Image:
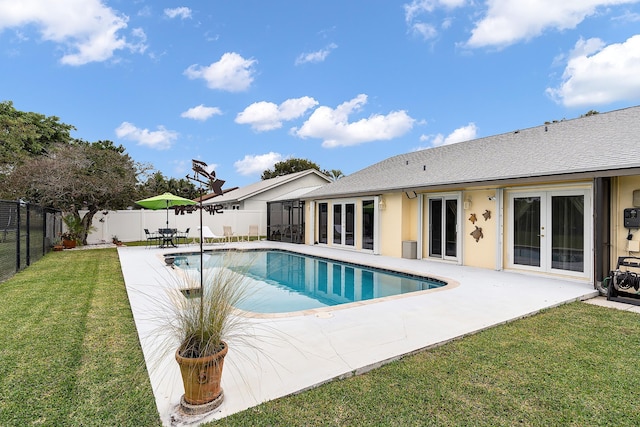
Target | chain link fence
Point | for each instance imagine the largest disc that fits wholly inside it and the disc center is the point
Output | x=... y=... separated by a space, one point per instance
x=27 y=233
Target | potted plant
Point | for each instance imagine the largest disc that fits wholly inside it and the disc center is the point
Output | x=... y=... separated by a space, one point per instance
x=73 y=232
x=203 y=325
x=69 y=241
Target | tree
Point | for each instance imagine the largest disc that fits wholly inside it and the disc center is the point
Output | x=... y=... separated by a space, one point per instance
x=77 y=176
x=288 y=166
x=26 y=135
x=157 y=183
x=334 y=174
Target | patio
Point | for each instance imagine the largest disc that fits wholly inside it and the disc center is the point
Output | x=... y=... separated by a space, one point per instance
x=298 y=352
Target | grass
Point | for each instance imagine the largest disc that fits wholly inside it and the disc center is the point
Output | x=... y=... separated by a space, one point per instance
x=69 y=356
x=574 y=365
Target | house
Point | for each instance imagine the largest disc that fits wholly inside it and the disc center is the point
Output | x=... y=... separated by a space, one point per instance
x=255 y=197
x=557 y=199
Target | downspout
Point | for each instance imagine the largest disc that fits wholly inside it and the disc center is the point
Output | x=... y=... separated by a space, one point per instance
x=602 y=231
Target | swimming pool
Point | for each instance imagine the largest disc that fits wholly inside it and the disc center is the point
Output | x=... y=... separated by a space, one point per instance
x=284 y=282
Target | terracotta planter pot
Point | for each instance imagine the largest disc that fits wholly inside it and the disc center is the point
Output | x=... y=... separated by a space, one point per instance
x=201 y=377
x=68 y=244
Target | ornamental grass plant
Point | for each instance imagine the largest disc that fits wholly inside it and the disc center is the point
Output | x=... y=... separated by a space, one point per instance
x=207 y=317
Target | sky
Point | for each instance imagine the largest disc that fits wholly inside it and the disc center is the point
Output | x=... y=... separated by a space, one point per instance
x=241 y=85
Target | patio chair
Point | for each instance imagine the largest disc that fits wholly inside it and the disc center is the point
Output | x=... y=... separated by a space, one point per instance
x=208 y=236
x=253 y=232
x=182 y=236
x=228 y=233
x=152 y=238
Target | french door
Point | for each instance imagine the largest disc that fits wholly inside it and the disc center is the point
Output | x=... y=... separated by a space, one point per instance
x=550 y=231
x=443 y=227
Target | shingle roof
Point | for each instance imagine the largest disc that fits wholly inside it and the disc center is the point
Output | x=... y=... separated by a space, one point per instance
x=256 y=188
x=592 y=144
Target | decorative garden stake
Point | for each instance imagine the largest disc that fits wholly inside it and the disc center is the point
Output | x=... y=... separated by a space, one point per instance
x=200 y=358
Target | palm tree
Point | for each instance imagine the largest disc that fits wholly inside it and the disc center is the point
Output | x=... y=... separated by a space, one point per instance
x=335 y=174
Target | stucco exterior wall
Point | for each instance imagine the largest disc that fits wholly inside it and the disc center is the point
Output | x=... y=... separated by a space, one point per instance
x=391 y=230
x=481 y=253
x=409 y=218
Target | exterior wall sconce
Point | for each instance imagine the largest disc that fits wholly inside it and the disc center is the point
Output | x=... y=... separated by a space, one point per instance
x=467 y=203
x=411 y=194
x=381 y=204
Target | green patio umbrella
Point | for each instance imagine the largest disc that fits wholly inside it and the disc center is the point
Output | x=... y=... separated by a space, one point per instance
x=164 y=201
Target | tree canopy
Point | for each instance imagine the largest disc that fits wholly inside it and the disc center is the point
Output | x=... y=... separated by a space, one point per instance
x=77 y=176
x=294 y=165
x=157 y=183
x=26 y=134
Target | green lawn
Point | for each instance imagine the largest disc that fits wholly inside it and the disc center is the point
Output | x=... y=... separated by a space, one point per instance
x=575 y=365
x=70 y=354
x=70 y=357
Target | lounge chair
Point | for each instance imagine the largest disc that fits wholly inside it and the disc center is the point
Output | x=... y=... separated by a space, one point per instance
x=208 y=236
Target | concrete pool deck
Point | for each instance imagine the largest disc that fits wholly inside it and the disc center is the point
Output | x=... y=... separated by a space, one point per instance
x=290 y=354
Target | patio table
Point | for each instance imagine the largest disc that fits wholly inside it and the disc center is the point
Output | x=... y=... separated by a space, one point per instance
x=167 y=237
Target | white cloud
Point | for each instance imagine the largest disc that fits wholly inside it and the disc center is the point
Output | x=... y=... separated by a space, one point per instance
x=317 y=56
x=264 y=116
x=417 y=8
x=599 y=74
x=464 y=133
x=424 y=30
x=251 y=164
x=88 y=30
x=334 y=128
x=178 y=12
x=160 y=139
x=508 y=22
x=232 y=73
x=201 y=112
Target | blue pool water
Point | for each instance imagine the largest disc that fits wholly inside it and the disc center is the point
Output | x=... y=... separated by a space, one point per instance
x=283 y=282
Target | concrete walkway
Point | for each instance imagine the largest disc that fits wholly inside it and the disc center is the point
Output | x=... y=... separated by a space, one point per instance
x=288 y=354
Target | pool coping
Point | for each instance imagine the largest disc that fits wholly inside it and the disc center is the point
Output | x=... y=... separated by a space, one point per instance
x=294 y=354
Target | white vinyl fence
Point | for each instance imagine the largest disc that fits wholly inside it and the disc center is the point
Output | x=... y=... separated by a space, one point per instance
x=129 y=225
